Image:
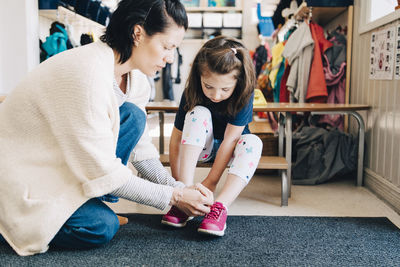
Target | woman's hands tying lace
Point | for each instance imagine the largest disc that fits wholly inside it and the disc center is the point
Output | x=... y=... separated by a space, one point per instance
x=194 y=200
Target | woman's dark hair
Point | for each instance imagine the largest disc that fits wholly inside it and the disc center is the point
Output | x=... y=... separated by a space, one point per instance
x=154 y=15
x=222 y=55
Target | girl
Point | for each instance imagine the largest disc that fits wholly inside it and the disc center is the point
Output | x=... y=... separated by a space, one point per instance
x=212 y=125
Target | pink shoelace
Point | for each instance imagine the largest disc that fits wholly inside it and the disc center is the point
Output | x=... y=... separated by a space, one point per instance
x=215 y=211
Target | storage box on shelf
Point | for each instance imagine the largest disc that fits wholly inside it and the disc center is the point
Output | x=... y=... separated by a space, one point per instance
x=207 y=21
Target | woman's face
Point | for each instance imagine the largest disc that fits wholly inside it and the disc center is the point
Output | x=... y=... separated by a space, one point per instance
x=153 y=52
x=218 y=87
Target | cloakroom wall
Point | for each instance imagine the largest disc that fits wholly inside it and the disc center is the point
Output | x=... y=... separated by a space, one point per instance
x=382 y=162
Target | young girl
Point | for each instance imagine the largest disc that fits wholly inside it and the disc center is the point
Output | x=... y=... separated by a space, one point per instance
x=212 y=126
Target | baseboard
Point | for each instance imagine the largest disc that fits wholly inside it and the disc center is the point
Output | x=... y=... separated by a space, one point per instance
x=384 y=189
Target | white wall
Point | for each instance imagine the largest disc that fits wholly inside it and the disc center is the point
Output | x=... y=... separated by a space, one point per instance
x=19 y=45
x=382 y=136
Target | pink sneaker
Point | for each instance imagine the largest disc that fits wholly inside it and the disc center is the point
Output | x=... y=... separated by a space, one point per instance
x=175 y=217
x=214 y=223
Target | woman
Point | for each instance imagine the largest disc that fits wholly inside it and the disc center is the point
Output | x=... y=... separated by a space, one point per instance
x=62 y=143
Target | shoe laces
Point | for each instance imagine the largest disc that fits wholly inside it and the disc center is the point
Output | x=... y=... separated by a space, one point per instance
x=215 y=211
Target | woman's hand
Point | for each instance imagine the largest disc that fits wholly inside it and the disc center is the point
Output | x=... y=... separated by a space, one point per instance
x=194 y=200
x=209 y=184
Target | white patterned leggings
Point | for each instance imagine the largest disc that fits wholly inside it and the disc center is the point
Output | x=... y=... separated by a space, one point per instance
x=198 y=131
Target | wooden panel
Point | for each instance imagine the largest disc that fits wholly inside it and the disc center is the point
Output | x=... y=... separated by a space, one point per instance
x=266 y=163
x=348 y=60
x=260 y=127
x=396 y=118
x=387 y=131
x=377 y=93
x=383 y=121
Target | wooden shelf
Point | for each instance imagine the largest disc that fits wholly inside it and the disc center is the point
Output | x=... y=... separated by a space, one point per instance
x=321 y=15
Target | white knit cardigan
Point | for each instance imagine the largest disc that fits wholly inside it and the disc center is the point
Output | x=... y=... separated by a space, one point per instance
x=58 y=136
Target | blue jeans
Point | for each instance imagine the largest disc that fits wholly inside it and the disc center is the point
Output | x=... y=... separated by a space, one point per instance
x=94 y=223
x=132 y=123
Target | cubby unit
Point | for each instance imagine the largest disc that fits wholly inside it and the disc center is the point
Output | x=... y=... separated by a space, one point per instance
x=206 y=21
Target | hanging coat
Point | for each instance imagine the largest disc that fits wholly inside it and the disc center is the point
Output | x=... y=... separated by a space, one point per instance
x=335 y=76
x=317 y=91
x=298 y=52
x=276 y=62
x=260 y=58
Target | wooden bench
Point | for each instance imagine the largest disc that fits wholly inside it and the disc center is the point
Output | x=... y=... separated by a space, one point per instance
x=266 y=163
x=285 y=130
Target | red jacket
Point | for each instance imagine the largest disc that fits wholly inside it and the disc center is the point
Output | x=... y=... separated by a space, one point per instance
x=317 y=91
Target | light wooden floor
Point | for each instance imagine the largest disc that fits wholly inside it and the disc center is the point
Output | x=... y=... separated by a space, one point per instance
x=262 y=195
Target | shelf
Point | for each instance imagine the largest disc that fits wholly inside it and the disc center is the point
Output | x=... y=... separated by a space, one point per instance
x=216 y=28
x=321 y=15
x=63 y=14
x=213 y=9
x=203 y=7
x=200 y=41
x=194 y=41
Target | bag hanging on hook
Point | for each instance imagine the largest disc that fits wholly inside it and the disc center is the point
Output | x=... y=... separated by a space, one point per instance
x=48 y=4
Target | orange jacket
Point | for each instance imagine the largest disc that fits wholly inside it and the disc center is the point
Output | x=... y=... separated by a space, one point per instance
x=317 y=91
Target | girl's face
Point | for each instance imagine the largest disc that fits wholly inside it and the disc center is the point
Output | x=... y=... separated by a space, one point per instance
x=153 y=52
x=218 y=87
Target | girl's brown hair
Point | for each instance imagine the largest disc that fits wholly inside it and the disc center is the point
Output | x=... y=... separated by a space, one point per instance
x=222 y=55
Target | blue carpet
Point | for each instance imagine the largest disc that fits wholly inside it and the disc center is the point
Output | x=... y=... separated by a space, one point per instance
x=249 y=241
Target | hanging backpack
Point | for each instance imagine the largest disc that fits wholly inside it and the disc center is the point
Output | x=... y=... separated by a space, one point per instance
x=56 y=42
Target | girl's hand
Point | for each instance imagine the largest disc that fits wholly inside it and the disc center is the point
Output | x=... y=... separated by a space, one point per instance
x=194 y=201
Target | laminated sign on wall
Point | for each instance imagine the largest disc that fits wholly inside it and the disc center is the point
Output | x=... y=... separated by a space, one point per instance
x=382 y=54
x=397 y=54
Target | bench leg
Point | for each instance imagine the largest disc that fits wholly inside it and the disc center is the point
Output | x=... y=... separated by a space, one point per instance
x=361 y=137
x=281 y=134
x=161 y=123
x=284 y=189
x=288 y=135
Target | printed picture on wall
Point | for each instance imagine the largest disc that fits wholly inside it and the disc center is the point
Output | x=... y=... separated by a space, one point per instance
x=221 y=3
x=191 y=3
x=397 y=53
x=383 y=44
